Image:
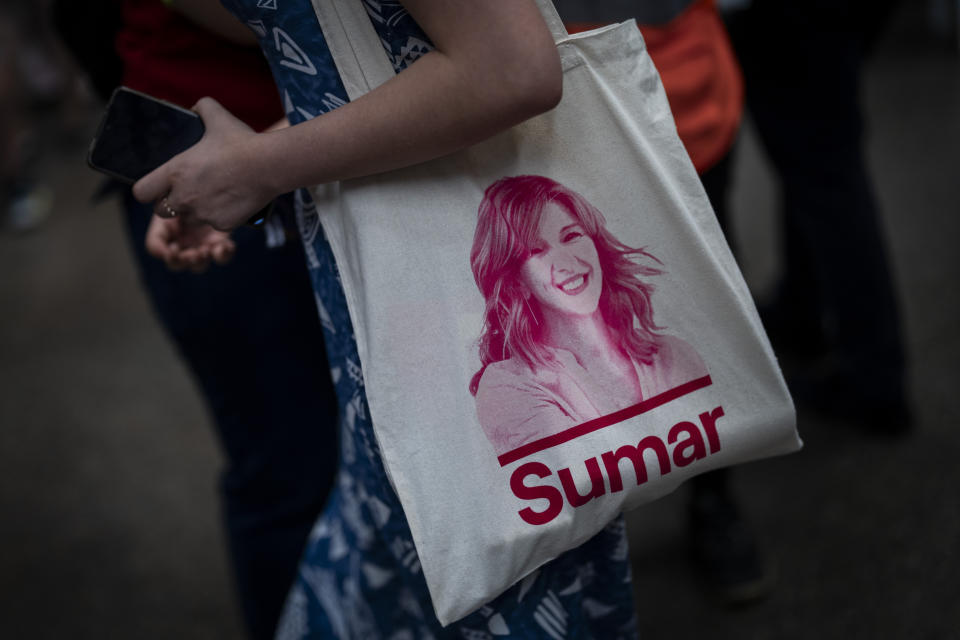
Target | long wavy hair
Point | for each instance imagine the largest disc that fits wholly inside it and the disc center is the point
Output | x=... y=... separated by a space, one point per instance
x=507 y=228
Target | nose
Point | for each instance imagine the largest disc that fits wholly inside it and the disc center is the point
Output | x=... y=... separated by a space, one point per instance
x=563 y=261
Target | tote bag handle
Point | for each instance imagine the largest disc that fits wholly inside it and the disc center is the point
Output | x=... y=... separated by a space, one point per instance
x=356 y=48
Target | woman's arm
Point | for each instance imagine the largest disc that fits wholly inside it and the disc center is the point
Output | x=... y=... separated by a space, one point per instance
x=494 y=66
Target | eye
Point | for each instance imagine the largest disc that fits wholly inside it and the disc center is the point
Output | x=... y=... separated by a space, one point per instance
x=571 y=236
x=535 y=251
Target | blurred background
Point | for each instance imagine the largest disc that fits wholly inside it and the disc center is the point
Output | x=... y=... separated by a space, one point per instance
x=110 y=522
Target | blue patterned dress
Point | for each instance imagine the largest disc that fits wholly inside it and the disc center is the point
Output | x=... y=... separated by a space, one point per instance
x=360 y=576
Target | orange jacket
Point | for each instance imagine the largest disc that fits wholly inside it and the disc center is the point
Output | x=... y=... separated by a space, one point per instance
x=701 y=76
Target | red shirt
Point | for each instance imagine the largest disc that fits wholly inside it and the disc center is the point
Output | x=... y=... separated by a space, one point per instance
x=167 y=56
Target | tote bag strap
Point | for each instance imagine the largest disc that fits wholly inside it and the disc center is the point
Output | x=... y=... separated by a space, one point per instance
x=552 y=18
x=356 y=48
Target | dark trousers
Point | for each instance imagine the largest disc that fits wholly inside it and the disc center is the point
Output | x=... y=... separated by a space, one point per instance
x=802 y=66
x=716 y=182
x=250 y=334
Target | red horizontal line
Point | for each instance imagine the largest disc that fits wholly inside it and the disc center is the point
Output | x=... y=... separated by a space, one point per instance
x=603 y=421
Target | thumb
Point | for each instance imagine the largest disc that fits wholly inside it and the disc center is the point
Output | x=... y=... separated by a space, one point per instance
x=216 y=118
x=154 y=185
x=223 y=251
x=160 y=237
x=209 y=109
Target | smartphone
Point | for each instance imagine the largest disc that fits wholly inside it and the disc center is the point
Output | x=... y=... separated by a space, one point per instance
x=138 y=133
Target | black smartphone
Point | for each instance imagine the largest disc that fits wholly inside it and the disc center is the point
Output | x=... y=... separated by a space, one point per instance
x=138 y=133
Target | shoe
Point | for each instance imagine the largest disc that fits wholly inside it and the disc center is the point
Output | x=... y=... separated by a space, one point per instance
x=725 y=551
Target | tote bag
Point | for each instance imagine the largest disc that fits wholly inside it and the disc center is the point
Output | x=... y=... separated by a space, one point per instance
x=503 y=443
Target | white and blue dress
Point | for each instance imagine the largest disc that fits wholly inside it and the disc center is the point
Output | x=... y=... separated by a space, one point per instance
x=360 y=576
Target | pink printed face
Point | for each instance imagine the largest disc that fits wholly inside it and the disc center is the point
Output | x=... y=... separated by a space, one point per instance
x=563 y=270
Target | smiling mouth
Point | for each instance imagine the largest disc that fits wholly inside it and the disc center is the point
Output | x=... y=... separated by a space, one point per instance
x=573 y=286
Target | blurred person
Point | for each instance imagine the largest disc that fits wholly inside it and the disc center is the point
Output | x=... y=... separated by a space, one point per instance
x=46 y=75
x=28 y=78
x=249 y=329
x=360 y=576
x=689 y=45
x=835 y=309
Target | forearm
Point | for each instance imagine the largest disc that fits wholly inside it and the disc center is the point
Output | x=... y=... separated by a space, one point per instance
x=451 y=98
x=398 y=126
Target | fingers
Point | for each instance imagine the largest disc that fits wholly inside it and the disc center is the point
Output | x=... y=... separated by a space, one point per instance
x=161 y=242
x=196 y=259
x=160 y=236
x=182 y=243
x=223 y=252
x=173 y=260
x=154 y=185
x=178 y=258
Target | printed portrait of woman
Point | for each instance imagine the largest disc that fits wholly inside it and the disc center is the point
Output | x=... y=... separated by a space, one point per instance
x=569 y=333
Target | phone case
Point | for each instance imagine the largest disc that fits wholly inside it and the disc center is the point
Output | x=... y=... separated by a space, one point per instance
x=138 y=133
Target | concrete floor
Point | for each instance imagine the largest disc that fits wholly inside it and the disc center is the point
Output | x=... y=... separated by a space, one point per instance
x=110 y=524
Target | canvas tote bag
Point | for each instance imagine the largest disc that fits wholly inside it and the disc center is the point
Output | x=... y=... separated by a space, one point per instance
x=543 y=456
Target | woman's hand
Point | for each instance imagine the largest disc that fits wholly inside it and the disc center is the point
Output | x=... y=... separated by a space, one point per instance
x=218 y=181
x=182 y=245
